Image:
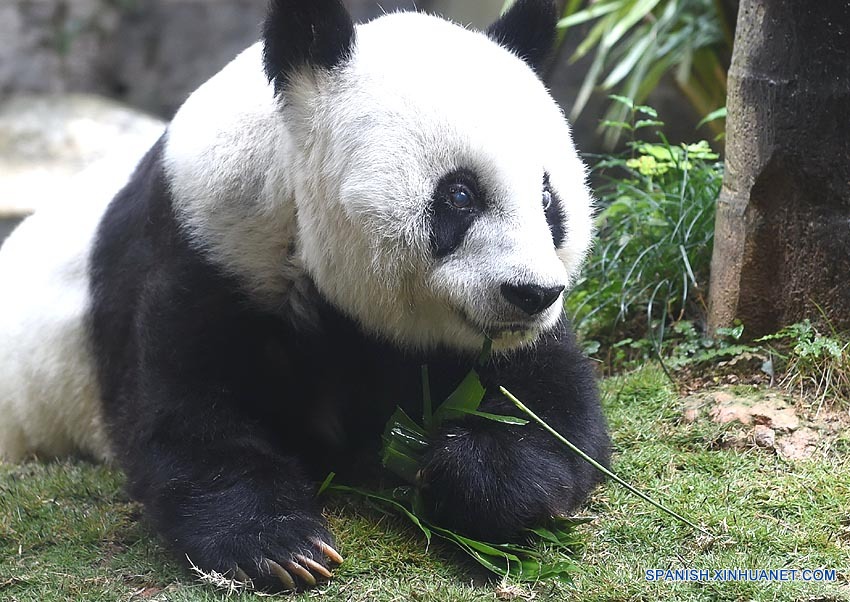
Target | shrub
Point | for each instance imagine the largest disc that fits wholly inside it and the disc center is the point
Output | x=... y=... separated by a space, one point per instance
x=638 y=42
x=815 y=364
x=656 y=226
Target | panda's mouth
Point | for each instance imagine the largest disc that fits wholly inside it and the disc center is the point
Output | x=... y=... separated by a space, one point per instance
x=499 y=331
x=510 y=331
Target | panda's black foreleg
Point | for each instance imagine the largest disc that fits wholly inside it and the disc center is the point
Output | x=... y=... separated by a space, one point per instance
x=493 y=481
x=204 y=419
x=237 y=508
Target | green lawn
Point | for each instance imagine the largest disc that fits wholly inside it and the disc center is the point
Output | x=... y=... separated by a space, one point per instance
x=67 y=532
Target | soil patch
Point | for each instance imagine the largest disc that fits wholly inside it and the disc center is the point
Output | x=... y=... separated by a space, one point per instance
x=770 y=420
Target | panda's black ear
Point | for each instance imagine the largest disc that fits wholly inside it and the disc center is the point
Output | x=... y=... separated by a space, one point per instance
x=528 y=29
x=299 y=33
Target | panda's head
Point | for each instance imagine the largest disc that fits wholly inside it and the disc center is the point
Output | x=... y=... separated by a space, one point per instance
x=419 y=172
x=439 y=195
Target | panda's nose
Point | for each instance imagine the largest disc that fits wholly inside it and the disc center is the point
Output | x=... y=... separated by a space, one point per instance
x=530 y=298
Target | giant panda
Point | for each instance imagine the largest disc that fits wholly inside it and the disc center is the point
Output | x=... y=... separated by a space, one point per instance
x=340 y=205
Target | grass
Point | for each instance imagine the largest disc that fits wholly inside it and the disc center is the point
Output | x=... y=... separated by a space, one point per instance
x=649 y=266
x=762 y=512
x=67 y=532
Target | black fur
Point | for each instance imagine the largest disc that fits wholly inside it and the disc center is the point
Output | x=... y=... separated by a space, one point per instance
x=449 y=224
x=555 y=215
x=297 y=33
x=528 y=29
x=224 y=417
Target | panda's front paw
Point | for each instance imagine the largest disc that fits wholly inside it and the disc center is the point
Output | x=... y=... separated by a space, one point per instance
x=492 y=485
x=284 y=553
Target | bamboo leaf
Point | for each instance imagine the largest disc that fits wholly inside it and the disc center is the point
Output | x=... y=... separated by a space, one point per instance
x=402 y=428
x=467 y=397
x=399 y=463
x=635 y=51
x=387 y=499
x=326 y=483
x=496 y=417
x=713 y=116
x=639 y=10
x=591 y=12
x=546 y=534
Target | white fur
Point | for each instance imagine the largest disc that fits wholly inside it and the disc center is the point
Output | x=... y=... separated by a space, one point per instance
x=49 y=400
x=346 y=168
x=333 y=182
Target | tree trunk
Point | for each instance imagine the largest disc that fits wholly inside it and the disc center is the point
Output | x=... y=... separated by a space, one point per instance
x=782 y=242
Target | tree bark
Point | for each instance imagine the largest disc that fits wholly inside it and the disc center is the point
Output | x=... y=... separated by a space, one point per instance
x=782 y=241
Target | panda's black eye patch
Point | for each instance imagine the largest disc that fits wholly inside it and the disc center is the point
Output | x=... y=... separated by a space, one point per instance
x=454 y=206
x=553 y=211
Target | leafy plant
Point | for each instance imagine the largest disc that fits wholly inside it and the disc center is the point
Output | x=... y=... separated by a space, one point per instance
x=638 y=42
x=656 y=228
x=690 y=347
x=405 y=441
x=816 y=364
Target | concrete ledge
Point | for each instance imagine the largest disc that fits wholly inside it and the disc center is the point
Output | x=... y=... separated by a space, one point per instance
x=47 y=141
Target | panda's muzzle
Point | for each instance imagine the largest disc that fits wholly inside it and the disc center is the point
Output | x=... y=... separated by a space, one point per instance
x=532 y=299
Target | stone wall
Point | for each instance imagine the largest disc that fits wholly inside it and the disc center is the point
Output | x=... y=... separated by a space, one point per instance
x=148 y=53
x=48 y=142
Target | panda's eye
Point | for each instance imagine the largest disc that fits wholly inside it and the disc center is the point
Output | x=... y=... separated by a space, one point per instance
x=460 y=196
x=547 y=199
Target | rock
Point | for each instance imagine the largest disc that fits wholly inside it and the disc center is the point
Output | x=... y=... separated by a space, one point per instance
x=730 y=411
x=46 y=141
x=800 y=445
x=764 y=436
x=52 y=46
x=773 y=412
x=771 y=421
x=164 y=49
x=690 y=415
x=149 y=53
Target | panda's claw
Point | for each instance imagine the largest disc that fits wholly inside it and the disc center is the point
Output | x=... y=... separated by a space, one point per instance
x=328 y=551
x=282 y=574
x=302 y=573
x=314 y=566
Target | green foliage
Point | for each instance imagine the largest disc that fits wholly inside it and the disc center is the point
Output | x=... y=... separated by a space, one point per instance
x=638 y=42
x=683 y=345
x=815 y=364
x=762 y=510
x=656 y=227
x=68 y=533
x=517 y=562
x=687 y=346
x=404 y=443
